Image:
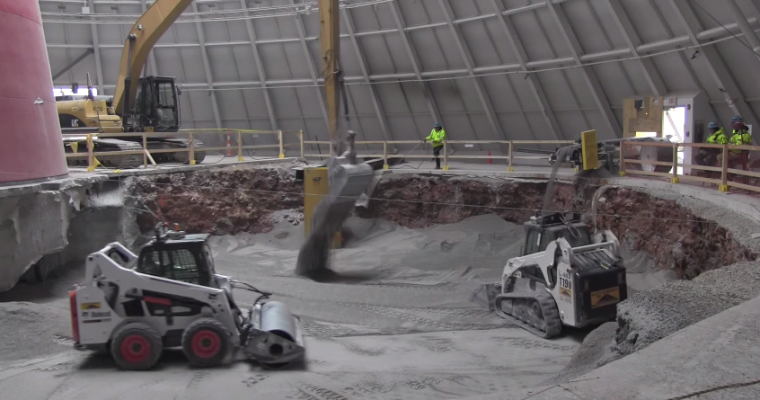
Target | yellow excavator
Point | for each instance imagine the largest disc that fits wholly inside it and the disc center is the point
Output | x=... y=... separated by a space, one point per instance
x=139 y=104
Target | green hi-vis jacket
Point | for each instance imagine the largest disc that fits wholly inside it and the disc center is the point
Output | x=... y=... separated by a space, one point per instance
x=719 y=137
x=740 y=138
x=436 y=137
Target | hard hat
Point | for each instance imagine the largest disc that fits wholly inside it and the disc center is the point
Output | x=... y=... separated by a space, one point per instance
x=713 y=125
x=736 y=119
x=438 y=125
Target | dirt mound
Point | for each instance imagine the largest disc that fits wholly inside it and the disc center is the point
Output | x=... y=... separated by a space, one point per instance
x=32 y=330
x=674 y=236
x=650 y=316
x=221 y=201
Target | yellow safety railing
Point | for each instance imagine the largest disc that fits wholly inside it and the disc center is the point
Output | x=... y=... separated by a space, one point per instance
x=191 y=134
x=511 y=157
x=721 y=175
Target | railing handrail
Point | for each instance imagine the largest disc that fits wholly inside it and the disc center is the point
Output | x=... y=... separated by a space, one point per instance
x=724 y=183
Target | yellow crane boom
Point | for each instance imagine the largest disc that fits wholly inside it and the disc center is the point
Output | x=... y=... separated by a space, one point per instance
x=140 y=41
x=329 y=40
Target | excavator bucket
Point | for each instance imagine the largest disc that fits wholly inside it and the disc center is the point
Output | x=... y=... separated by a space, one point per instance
x=347 y=183
x=485 y=295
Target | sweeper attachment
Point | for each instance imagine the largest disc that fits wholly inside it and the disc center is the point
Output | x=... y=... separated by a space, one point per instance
x=575 y=280
x=170 y=296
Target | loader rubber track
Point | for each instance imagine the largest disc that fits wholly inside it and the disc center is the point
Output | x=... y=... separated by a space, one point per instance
x=523 y=301
x=117 y=161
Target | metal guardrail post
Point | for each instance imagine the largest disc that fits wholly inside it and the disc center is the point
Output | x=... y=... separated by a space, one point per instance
x=724 y=171
x=90 y=156
x=445 y=155
x=240 y=145
x=623 y=146
x=674 y=179
x=300 y=139
x=191 y=149
x=282 y=147
x=145 y=150
x=510 y=167
x=385 y=155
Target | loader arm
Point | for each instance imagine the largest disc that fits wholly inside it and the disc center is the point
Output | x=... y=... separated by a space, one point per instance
x=140 y=41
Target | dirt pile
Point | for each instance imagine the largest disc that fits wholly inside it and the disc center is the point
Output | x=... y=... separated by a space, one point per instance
x=422 y=201
x=220 y=201
x=675 y=237
x=242 y=199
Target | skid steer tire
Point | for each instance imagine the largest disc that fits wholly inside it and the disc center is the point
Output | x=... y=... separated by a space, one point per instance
x=206 y=343
x=136 y=347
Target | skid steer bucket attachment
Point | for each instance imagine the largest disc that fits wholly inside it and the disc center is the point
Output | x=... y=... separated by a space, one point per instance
x=485 y=295
x=347 y=183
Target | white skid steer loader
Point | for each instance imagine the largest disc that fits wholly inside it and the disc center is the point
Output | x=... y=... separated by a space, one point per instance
x=170 y=296
x=569 y=277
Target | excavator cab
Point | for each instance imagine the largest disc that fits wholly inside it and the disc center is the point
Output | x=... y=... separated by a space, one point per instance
x=157 y=105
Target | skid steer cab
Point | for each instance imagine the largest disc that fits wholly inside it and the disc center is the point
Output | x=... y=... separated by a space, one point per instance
x=565 y=277
x=170 y=296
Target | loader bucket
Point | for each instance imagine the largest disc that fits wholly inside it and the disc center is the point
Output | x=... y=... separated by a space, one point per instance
x=485 y=295
x=347 y=183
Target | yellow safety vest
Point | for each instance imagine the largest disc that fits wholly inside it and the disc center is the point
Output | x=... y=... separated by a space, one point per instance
x=437 y=137
x=719 y=137
x=740 y=139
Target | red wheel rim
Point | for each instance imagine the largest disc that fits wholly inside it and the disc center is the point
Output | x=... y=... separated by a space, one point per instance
x=206 y=344
x=135 y=349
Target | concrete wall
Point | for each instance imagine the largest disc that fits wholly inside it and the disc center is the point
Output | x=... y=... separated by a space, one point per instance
x=45 y=226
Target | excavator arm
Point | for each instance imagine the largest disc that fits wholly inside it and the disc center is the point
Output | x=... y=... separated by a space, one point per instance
x=140 y=41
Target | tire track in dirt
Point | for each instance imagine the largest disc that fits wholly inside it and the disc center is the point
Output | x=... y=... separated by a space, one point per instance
x=311 y=392
x=394 y=313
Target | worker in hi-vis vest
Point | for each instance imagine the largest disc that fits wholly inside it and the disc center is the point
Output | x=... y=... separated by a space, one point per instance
x=436 y=137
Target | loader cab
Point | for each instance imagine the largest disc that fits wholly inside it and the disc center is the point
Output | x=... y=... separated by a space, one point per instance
x=178 y=256
x=540 y=231
x=156 y=106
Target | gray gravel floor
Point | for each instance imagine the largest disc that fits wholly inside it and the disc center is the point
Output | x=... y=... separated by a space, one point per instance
x=651 y=315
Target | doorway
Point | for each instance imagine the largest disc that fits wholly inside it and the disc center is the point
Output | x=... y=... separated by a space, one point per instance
x=674 y=125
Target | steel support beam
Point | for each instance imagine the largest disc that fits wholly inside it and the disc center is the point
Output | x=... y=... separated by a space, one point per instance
x=469 y=63
x=260 y=67
x=684 y=58
x=741 y=21
x=99 y=80
x=522 y=58
x=207 y=70
x=632 y=39
x=349 y=21
x=602 y=103
x=313 y=72
x=415 y=60
x=72 y=64
x=714 y=62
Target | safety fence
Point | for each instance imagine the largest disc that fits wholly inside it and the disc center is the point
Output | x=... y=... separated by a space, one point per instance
x=723 y=174
x=235 y=144
x=511 y=157
x=634 y=160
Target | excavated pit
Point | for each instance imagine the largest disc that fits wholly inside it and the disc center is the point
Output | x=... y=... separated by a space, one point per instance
x=424 y=242
x=663 y=237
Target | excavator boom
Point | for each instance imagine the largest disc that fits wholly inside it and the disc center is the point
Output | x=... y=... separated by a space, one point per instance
x=140 y=41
